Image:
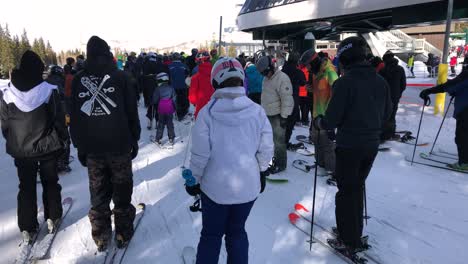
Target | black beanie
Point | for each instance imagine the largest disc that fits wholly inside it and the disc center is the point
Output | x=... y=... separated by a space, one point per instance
x=388 y=56
x=97 y=47
x=29 y=73
x=352 y=50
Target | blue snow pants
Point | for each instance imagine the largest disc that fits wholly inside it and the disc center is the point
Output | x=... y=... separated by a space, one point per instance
x=219 y=220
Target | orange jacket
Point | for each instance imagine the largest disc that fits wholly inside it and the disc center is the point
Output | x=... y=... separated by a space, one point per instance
x=303 y=89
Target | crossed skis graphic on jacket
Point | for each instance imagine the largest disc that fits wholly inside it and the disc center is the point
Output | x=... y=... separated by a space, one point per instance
x=96 y=93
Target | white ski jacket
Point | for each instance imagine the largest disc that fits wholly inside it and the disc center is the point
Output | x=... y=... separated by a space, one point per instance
x=277 y=96
x=232 y=143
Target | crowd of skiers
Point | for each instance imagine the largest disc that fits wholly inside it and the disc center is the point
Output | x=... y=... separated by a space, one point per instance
x=245 y=112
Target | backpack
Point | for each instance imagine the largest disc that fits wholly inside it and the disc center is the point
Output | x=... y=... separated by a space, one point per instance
x=166 y=106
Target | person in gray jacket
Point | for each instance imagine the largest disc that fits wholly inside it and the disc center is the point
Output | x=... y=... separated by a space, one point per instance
x=277 y=100
x=164 y=100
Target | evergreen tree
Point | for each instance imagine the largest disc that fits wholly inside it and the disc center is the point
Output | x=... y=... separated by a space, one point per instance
x=50 y=56
x=42 y=49
x=24 y=43
x=35 y=46
x=7 y=53
x=16 y=50
x=2 y=36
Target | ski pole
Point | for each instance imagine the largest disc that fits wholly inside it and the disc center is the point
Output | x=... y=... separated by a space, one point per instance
x=419 y=130
x=365 y=204
x=440 y=128
x=315 y=190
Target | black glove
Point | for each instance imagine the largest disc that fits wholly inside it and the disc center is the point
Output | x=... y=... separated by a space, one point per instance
x=263 y=175
x=135 y=149
x=283 y=122
x=193 y=190
x=425 y=96
x=82 y=158
x=318 y=122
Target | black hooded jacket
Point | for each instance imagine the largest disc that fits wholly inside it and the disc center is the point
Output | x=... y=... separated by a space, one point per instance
x=395 y=76
x=360 y=105
x=38 y=134
x=104 y=115
x=296 y=76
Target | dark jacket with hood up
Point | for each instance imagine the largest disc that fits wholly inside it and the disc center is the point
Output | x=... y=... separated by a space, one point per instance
x=297 y=76
x=360 y=105
x=32 y=118
x=395 y=75
x=104 y=115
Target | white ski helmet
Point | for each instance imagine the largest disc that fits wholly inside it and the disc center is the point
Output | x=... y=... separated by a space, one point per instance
x=162 y=77
x=224 y=69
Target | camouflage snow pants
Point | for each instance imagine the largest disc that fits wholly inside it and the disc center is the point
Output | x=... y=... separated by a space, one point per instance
x=110 y=178
x=324 y=149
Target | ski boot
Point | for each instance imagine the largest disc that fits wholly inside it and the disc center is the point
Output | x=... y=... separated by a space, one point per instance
x=101 y=245
x=52 y=225
x=348 y=252
x=27 y=237
x=274 y=168
x=122 y=240
x=171 y=141
x=457 y=166
x=150 y=124
x=158 y=142
x=364 y=241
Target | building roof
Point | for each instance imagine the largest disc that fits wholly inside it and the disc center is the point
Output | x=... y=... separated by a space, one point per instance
x=291 y=19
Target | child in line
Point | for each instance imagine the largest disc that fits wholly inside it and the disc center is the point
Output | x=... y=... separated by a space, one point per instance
x=164 y=100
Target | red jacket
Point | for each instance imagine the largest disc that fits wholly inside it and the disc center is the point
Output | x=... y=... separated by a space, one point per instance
x=201 y=90
x=453 y=61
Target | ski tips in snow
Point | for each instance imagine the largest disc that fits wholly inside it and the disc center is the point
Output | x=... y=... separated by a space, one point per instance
x=299 y=207
x=67 y=200
x=293 y=218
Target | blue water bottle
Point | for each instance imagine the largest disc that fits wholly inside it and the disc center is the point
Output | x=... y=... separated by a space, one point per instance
x=188 y=177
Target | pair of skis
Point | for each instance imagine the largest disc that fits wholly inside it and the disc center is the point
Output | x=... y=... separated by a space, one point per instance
x=114 y=254
x=39 y=247
x=436 y=160
x=163 y=145
x=300 y=221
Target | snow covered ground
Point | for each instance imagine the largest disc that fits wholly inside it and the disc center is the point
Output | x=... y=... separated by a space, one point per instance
x=418 y=213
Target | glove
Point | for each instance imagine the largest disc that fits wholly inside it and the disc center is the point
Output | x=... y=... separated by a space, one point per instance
x=82 y=158
x=283 y=122
x=318 y=122
x=425 y=96
x=135 y=149
x=193 y=190
x=263 y=175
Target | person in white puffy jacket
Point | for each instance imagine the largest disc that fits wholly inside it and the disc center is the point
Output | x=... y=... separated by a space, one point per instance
x=278 y=102
x=231 y=151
